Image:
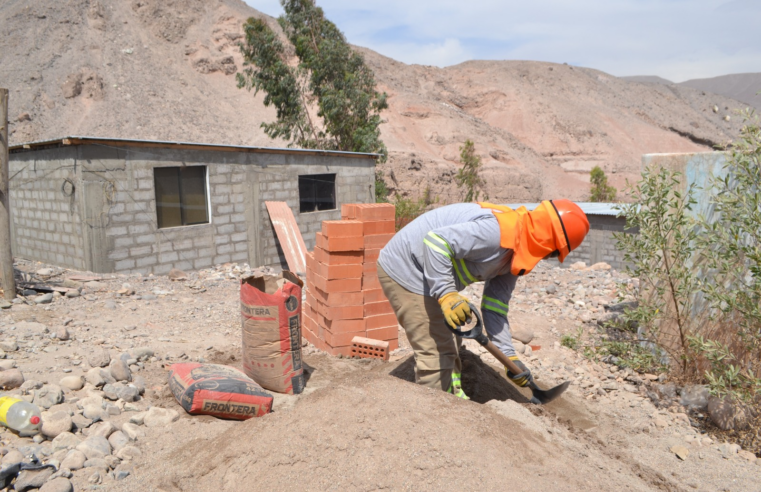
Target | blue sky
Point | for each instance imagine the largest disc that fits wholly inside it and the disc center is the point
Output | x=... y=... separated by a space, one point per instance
x=675 y=39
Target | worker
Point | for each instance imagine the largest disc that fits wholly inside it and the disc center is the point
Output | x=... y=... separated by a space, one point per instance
x=425 y=266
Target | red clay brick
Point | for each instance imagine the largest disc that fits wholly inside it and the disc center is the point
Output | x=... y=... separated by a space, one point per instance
x=332 y=272
x=373 y=295
x=377 y=241
x=339 y=299
x=378 y=227
x=370 y=282
x=333 y=244
x=338 y=258
x=336 y=351
x=376 y=308
x=343 y=312
x=392 y=345
x=342 y=228
x=371 y=255
x=370 y=267
x=386 y=333
x=341 y=339
x=375 y=211
x=338 y=285
x=345 y=325
x=380 y=321
x=348 y=211
x=367 y=348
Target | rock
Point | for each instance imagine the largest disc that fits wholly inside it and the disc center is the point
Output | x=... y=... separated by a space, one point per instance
x=579 y=265
x=9 y=345
x=14 y=457
x=680 y=451
x=59 y=484
x=98 y=377
x=10 y=379
x=120 y=370
x=666 y=391
x=94 y=285
x=48 y=395
x=132 y=431
x=728 y=450
x=100 y=463
x=727 y=415
x=175 y=274
x=6 y=364
x=73 y=383
x=44 y=299
x=695 y=397
x=142 y=354
x=121 y=474
x=118 y=440
x=5 y=304
x=55 y=424
x=94 y=412
x=109 y=392
x=160 y=417
x=139 y=383
x=128 y=393
x=74 y=460
x=73 y=293
x=138 y=418
x=95 y=447
x=109 y=305
x=95 y=478
x=660 y=423
x=551 y=289
x=747 y=456
x=99 y=358
x=62 y=333
x=622 y=306
x=602 y=266
x=128 y=453
x=112 y=461
x=65 y=440
x=80 y=422
x=523 y=334
x=45 y=272
x=610 y=386
x=103 y=429
x=519 y=346
x=32 y=479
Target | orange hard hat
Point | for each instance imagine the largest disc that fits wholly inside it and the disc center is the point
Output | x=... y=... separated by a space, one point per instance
x=575 y=224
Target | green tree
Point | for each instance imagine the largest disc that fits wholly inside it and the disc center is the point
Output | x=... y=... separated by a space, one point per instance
x=329 y=80
x=601 y=191
x=468 y=175
x=381 y=188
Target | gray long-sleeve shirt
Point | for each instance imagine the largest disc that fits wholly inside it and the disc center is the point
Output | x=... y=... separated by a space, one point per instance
x=447 y=249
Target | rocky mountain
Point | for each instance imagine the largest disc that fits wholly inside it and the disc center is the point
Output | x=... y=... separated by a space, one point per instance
x=164 y=69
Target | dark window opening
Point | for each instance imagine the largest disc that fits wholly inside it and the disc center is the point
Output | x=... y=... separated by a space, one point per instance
x=317 y=192
x=180 y=196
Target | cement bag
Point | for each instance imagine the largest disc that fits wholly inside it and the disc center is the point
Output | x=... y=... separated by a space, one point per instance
x=222 y=391
x=271 y=316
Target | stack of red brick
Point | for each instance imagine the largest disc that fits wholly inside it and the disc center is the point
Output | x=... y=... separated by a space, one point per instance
x=344 y=298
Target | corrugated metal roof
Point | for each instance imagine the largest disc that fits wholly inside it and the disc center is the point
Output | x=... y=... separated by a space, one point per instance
x=124 y=142
x=589 y=208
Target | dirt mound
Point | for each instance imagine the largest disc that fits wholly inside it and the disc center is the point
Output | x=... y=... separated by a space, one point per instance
x=375 y=432
x=164 y=70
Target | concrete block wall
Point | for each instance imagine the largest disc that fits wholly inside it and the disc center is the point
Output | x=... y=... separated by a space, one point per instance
x=355 y=183
x=46 y=220
x=600 y=244
x=110 y=224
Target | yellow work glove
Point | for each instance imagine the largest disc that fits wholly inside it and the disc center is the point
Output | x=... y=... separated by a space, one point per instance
x=523 y=378
x=455 y=308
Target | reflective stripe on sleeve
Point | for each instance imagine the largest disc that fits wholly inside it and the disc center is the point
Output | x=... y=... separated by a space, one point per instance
x=495 y=305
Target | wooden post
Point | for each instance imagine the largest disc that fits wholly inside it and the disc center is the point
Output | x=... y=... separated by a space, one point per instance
x=6 y=256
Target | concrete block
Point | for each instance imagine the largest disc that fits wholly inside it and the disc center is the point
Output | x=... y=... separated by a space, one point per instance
x=145 y=238
x=122 y=242
x=139 y=229
x=226 y=229
x=168 y=257
x=224 y=249
x=239 y=257
x=116 y=231
x=146 y=261
x=222 y=239
x=219 y=199
x=200 y=263
x=224 y=209
x=240 y=236
x=221 y=219
x=141 y=251
x=243 y=246
x=220 y=259
x=122 y=265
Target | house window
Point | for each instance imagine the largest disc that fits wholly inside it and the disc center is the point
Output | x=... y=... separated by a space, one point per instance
x=180 y=196
x=317 y=192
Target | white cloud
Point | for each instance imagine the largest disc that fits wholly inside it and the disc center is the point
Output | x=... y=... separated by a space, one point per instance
x=676 y=39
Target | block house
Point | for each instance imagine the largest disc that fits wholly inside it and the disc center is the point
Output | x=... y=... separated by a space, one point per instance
x=115 y=205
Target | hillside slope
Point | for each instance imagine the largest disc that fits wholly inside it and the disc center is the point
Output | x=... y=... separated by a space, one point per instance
x=741 y=86
x=154 y=69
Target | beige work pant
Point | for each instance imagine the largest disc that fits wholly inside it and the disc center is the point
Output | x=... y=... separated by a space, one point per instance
x=435 y=347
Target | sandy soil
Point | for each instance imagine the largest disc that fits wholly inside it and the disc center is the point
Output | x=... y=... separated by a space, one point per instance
x=362 y=425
